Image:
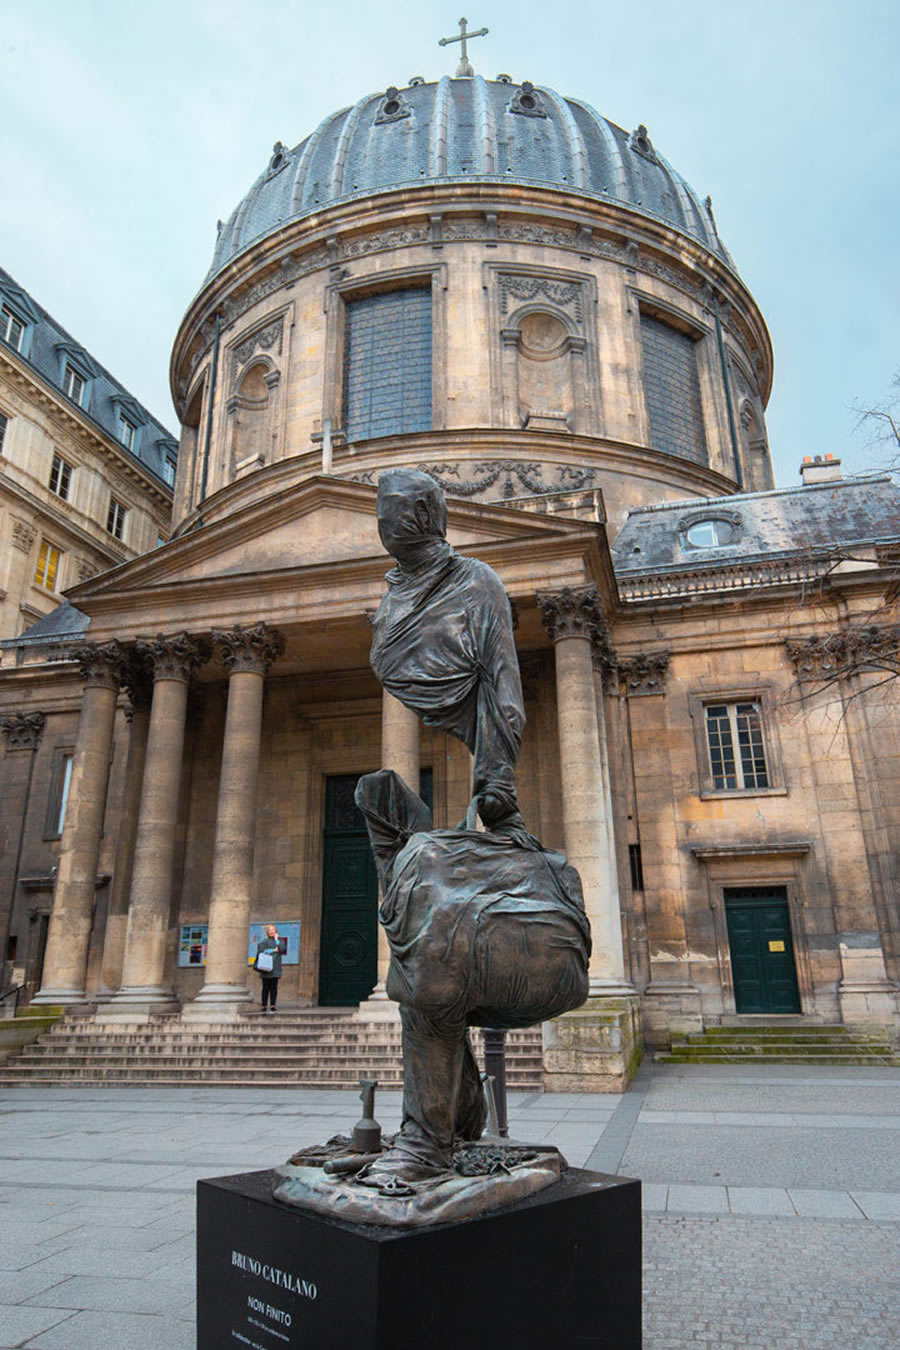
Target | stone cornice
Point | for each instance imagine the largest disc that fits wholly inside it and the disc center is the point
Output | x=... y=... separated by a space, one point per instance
x=521 y=213
x=722 y=852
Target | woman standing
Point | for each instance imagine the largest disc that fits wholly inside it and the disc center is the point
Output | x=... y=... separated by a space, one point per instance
x=268 y=965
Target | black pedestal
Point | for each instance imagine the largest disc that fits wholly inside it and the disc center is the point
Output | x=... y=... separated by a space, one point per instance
x=558 y=1271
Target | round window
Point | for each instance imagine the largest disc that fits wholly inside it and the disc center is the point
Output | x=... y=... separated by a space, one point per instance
x=709 y=533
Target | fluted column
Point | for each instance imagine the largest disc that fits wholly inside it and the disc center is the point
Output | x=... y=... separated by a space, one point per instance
x=574 y=621
x=248 y=654
x=138 y=681
x=65 y=962
x=173 y=659
x=400 y=752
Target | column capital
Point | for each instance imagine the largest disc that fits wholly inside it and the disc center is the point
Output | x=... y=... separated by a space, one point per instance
x=249 y=649
x=173 y=657
x=100 y=664
x=645 y=673
x=22 y=730
x=573 y=612
x=137 y=681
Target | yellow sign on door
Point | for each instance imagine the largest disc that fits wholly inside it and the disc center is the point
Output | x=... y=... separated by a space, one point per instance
x=776 y=946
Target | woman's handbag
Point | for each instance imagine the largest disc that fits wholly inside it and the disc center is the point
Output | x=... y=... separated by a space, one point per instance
x=264 y=963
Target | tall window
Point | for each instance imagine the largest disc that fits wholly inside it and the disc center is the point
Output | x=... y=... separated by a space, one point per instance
x=60 y=477
x=387 y=364
x=47 y=569
x=11 y=328
x=737 y=754
x=126 y=432
x=115 y=518
x=73 y=384
x=58 y=796
x=4 y=423
x=672 y=390
x=169 y=470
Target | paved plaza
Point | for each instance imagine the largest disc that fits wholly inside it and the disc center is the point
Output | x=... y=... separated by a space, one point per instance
x=771 y=1196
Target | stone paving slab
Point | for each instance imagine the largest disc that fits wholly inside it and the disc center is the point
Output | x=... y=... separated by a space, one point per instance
x=729 y=1257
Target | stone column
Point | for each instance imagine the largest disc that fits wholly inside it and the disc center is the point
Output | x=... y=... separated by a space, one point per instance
x=248 y=654
x=143 y=990
x=65 y=962
x=597 y=1047
x=400 y=752
x=139 y=684
x=574 y=621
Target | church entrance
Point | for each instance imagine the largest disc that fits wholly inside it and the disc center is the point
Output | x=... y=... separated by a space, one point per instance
x=762 y=950
x=348 y=960
x=348 y=957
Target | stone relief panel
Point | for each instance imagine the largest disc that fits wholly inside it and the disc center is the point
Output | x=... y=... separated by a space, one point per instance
x=497 y=479
x=544 y=361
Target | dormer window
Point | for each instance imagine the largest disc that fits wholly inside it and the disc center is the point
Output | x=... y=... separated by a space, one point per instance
x=169 y=471
x=73 y=384
x=126 y=432
x=703 y=530
x=709 y=534
x=12 y=329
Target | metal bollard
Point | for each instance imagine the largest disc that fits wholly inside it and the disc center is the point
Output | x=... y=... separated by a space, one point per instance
x=495 y=1067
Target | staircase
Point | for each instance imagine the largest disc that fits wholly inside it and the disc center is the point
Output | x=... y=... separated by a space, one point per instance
x=794 y=1044
x=315 y=1047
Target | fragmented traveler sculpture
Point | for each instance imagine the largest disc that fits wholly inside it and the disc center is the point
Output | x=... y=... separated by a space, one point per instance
x=486 y=927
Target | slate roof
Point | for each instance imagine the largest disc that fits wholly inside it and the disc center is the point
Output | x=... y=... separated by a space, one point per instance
x=807 y=521
x=63 y=624
x=46 y=346
x=464 y=130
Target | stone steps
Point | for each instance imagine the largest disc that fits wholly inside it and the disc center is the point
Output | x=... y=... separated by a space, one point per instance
x=781 y=1045
x=297 y=1048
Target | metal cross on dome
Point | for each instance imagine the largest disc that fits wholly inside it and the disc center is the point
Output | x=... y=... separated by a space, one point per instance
x=464 y=70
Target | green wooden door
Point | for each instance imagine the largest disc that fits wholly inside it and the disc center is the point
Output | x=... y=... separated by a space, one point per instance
x=348 y=961
x=762 y=950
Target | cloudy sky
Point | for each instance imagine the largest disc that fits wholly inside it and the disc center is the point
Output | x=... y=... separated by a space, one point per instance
x=127 y=130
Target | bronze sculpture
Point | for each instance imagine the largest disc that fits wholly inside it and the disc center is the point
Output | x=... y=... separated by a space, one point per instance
x=485 y=927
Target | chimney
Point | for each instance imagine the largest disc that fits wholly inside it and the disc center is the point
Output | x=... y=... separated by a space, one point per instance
x=820 y=469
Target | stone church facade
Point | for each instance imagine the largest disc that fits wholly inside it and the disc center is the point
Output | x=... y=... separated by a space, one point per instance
x=496 y=284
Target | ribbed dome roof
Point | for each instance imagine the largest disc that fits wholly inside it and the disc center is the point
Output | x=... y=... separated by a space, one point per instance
x=464 y=130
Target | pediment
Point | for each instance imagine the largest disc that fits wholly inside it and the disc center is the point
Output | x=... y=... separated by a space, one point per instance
x=324 y=521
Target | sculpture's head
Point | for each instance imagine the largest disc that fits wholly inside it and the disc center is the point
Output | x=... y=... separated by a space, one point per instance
x=411 y=512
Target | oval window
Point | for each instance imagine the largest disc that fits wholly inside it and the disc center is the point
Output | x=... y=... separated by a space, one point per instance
x=708 y=533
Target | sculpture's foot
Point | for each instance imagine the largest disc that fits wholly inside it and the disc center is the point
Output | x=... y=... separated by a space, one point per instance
x=411 y=1159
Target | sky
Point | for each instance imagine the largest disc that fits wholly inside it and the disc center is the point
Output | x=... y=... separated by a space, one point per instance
x=127 y=130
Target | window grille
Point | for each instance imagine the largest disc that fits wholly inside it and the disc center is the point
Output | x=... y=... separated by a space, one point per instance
x=672 y=390
x=387 y=364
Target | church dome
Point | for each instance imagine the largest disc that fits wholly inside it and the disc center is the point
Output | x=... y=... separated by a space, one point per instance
x=457 y=130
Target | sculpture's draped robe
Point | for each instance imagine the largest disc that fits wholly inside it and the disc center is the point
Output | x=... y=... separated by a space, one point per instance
x=443 y=646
